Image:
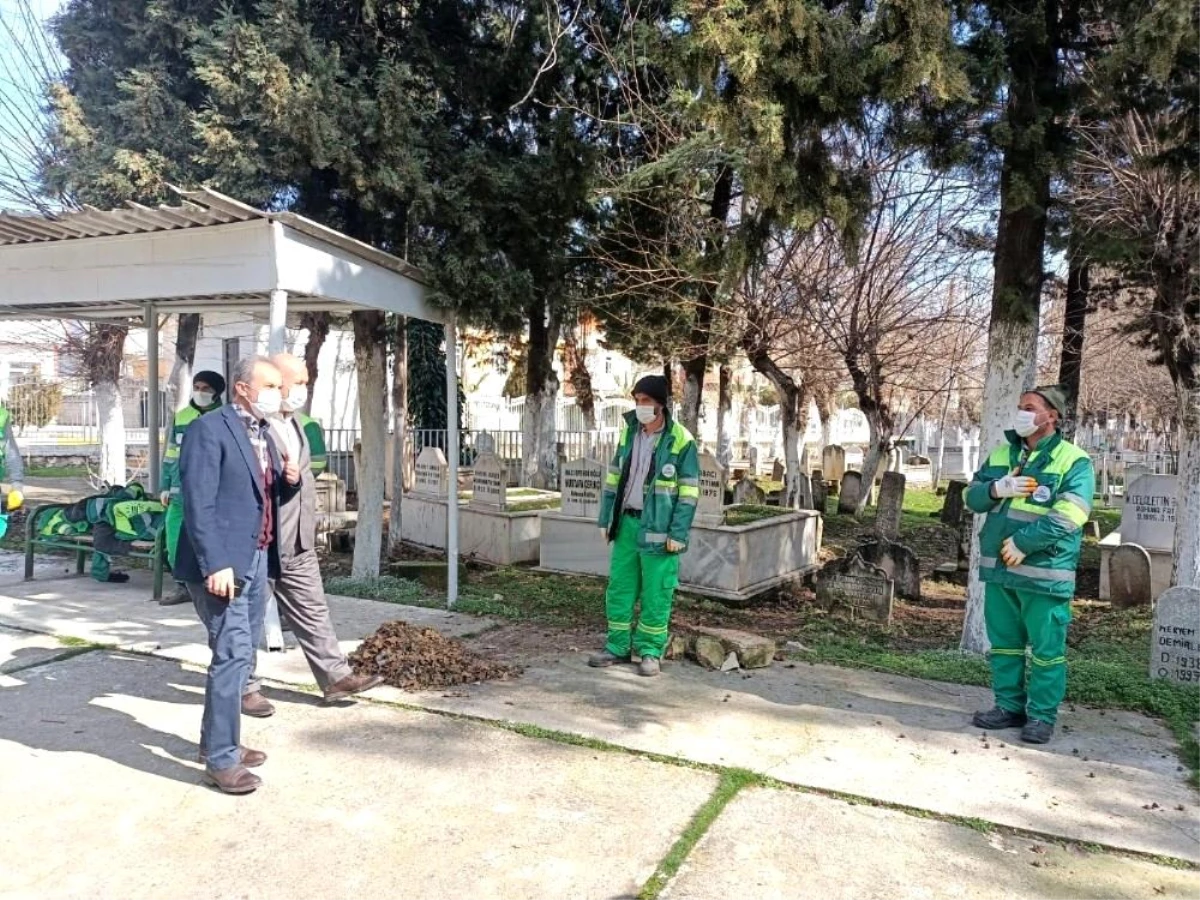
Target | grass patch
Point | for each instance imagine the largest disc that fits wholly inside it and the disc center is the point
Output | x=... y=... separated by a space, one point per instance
x=732 y=781
x=388 y=588
x=56 y=471
x=516 y=593
x=746 y=513
x=68 y=641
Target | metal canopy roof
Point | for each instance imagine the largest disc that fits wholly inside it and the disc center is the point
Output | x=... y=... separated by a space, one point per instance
x=210 y=253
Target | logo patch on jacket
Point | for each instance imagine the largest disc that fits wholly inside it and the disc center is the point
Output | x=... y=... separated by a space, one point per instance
x=668 y=471
x=1042 y=494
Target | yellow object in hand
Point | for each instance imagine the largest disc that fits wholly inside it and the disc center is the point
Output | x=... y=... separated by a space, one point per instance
x=14 y=500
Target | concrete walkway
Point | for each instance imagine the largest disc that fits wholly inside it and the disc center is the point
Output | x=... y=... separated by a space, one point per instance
x=375 y=787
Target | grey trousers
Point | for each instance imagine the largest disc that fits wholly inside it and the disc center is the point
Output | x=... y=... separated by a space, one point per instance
x=301 y=597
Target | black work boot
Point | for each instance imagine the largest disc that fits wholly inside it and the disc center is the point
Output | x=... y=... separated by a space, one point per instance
x=998 y=717
x=1037 y=732
x=604 y=659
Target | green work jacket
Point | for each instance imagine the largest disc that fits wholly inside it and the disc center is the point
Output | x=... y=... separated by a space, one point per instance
x=671 y=491
x=1047 y=527
x=170 y=466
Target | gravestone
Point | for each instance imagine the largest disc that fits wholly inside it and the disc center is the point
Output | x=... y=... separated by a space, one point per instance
x=777 y=470
x=856 y=585
x=489 y=482
x=833 y=462
x=851 y=486
x=1133 y=473
x=429 y=473
x=820 y=493
x=891 y=503
x=1175 y=654
x=710 y=508
x=952 y=509
x=746 y=491
x=899 y=562
x=752 y=458
x=917 y=460
x=1129 y=576
x=582 y=488
x=485 y=443
x=1148 y=517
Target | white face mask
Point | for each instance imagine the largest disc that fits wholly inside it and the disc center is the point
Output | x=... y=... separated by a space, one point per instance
x=268 y=403
x=297 y=395
x=203 y=398
x=1025 y=423
x=645 y=413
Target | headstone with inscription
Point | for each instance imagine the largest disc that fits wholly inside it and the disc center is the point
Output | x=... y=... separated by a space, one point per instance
x=820 y=493
x=489 y=485
x=898 y=561
x=857 y=586
x=777 y=470
x=890 y=506
x=833 y=462
x=955 y=503
x=429 y=473
x=851 y=487
x=582 y=487
x=710 y=509
x=1148 y=517
x=485 y=443
x=1129 y=576
x=747 y=491
x=752 y=458
x=1133 y=473
x=1175 y=650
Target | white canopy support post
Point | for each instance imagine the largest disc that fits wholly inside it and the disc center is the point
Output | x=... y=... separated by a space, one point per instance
x=153 y=426
x=452 y=458
x=277 y=339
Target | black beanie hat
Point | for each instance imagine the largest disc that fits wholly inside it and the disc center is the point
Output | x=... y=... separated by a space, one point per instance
x=654 y=387
x=212 y=379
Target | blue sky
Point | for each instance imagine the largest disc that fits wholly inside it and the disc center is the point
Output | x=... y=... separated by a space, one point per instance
x=20 y=88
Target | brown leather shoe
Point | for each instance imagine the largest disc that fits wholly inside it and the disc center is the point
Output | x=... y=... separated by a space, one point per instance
x=350 y=685
x=257 y=705
x=234 y=780
x=251 y=759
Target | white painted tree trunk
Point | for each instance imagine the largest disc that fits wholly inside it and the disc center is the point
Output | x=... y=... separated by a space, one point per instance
x=1186 y=567
x=112 y=431
x=797 y=491
x=399 y=426
x=371 y=477
x=540 y=453
x=1012 y=364
x=689 y=409
x=725 y=418
x=872 y=460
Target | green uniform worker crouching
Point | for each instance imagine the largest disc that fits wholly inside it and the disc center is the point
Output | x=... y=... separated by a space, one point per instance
x=207 y=388
x=1036 y=491
x=649 y=501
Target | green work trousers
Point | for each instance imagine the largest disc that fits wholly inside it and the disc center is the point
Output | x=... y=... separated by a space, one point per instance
x=1017 y=619
x=174 y=524
x=635 y=575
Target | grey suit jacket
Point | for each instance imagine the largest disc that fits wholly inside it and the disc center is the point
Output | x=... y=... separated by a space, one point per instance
x=298 y=513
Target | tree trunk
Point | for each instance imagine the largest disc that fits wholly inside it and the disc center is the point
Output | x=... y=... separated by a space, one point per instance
x=399 y=427
x=1075 y=316
x=370 y=359
x=539 y=448
x=725 y=416
x=187 y=329
x=1017 y=266
x=112 y=431
x=797 y=490
x=575 y=360
x=876 y=453
x=1186 y=567
x=317 y=324
x=695 y=367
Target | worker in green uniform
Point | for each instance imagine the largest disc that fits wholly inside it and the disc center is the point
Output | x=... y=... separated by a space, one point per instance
x=650 y=496
x=1036 y=491
x=207 y=388
x=12 y=467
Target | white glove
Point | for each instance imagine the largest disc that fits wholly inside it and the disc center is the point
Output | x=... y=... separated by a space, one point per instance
x=165 y=498
x=1013 y=486
x=1010 y=553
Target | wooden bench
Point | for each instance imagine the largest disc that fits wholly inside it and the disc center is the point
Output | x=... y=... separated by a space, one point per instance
x=81 y=545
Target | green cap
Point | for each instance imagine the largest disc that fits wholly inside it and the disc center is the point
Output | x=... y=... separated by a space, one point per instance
x=1055 y=395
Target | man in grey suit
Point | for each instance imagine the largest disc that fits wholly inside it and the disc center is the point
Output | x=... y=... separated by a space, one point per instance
x=299 y=589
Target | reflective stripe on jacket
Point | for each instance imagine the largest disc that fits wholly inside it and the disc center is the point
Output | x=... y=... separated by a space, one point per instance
x=671 y=491
x=1047 y=527
x=316 y=442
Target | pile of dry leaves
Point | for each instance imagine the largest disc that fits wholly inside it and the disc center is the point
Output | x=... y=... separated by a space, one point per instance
x=416 y=658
